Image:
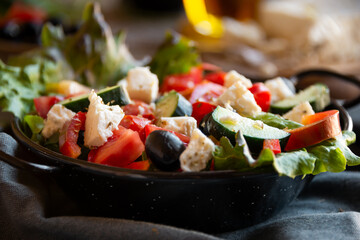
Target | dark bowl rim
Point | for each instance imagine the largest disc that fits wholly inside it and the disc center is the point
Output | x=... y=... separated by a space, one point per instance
x=52 y=158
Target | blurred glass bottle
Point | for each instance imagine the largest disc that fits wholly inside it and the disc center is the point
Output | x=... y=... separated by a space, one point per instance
x=205 y=15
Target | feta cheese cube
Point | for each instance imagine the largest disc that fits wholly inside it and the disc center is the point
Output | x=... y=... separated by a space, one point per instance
x=57 y=117
x=241 y=99
x=278 y=89
x=142 y=84
x=233 y=76
x=184 y=125
x=296 y=114
x=197 y=154
x=101 y=120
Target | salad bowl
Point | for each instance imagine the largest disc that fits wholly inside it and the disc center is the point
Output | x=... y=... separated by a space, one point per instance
x=209 y=201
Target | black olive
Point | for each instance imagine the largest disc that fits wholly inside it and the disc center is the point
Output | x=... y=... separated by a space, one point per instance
x=203 y=126
x=164 y=149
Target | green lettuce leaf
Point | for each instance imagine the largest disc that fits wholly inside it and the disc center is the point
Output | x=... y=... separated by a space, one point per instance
x=238 y=157
x=97 y=57
x=295 y=163
x=276 y=121
x=333 y=155
x=176 y=55
x=20 y=85
x=33 y=125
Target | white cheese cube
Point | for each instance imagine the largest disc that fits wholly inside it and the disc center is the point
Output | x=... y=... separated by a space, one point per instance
x=241 y=99
x=101 y=120
x=233 y=76
x=197 y=154
x=297 y=113
x=184 y=125
x=57 y=117
x=278 y=89
x=142 y=84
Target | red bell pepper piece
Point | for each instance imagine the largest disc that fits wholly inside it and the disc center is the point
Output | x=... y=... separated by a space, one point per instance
x=262 y=95
x=68 y=139
x=150 y=128
x=273 y=145
x=320 y=126
x=200 y=109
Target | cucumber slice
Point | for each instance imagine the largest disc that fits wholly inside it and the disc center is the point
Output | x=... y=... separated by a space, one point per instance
x=115 y=95
x=173 y=104
x=224 y=122
x=318 y=95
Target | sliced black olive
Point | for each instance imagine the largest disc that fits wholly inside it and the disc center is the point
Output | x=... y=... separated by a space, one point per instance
x=164 y=149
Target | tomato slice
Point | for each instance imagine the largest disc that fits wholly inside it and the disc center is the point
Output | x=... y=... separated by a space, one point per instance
x=182 y=82
x=273 y=145
x=121 y=149
x=200 y=109
x=43 y=104
x=206 y=92
x=322 y=126
x=140 y=165
x=262 y=95
x=216 y=77
x=150 y=128
x=68 y=139
x=136 y=124
x=139 y=108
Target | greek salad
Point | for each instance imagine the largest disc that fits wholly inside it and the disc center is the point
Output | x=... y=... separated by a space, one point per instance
x=175 y=113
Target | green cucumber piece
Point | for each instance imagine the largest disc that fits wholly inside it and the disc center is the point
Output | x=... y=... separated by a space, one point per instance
x=173 y=104
x=275 y=120
x=318 y=95
x=115 y=95
x=224 y=122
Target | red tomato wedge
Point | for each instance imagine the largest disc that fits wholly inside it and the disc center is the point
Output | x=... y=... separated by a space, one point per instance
x=182 y=82
x=206 y=92
x=121 y=149
x=273 y=145
x=140 y=165
x=68 y=139
x=139 y=108
x=150 y=128
x=136 y=124
x=200 y=109
x=43 y=104
x=322 y=126
x=216 y=77
x=262 y=95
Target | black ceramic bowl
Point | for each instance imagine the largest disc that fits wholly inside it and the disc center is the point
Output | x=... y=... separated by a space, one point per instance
x=213 y=201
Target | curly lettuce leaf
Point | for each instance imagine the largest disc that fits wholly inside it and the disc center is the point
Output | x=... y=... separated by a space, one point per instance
x=20 y=85
x=333 y=155
x=295 y=163
x=97 y=57
x=176 y=55
x=238 y=157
